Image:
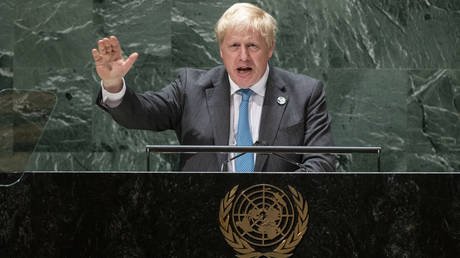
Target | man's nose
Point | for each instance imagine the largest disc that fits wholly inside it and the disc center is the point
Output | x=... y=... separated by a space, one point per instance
x=244 y=53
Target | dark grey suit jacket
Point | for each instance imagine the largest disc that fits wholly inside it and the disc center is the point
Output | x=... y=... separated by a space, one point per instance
x=197 y=107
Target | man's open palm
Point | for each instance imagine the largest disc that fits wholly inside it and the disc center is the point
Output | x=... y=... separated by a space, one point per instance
x=110 y=64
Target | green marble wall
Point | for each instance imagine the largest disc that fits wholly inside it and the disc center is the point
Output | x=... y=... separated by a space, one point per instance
x=392 y=70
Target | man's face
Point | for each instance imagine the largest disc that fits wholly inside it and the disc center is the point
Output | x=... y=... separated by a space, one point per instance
x=245 y=54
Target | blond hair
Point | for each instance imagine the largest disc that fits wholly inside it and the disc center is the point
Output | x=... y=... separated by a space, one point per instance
x=244 y=16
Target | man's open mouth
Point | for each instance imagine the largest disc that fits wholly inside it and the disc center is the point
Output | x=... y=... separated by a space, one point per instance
x=244 y=69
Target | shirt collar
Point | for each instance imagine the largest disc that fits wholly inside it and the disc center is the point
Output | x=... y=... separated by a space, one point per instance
x=258 y=88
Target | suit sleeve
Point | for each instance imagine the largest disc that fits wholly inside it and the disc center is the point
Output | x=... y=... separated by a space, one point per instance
x=318 y=132
x=155 y=111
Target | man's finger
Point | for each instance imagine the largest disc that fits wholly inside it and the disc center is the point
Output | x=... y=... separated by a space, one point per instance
x=115 y=46
x=114 y=42
x=130 y=61
x=96 y=55
x=101 y=46
x=107 y=46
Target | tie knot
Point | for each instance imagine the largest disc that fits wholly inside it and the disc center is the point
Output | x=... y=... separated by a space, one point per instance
x=246 y=93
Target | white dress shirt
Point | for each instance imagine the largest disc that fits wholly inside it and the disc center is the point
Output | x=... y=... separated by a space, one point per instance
x=256 y=102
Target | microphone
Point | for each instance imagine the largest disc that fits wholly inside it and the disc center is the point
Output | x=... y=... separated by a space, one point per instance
x=230 y=159
x=264 y=143
x=299 y=165
x=235 y=157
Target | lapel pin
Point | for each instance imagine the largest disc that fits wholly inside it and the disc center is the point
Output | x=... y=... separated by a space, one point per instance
x=281 y=100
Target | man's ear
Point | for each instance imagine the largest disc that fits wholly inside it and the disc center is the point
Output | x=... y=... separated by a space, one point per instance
x=272 y=49
x=220 y=51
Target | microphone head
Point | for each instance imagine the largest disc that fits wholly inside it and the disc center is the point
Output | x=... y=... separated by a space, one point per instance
x=260 y=143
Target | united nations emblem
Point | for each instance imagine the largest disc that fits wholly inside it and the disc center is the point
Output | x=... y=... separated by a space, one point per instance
x=261 y=221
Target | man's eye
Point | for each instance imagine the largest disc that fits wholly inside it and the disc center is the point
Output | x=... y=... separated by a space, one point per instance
x=252 y=46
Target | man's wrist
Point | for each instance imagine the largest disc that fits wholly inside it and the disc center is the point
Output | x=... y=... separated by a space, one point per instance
x=113 y=99
x=113 y=86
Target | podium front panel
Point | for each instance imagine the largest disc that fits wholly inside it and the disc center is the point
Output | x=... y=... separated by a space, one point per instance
x=100 y=214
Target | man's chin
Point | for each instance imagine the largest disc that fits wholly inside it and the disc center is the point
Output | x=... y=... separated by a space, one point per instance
x=243 y=83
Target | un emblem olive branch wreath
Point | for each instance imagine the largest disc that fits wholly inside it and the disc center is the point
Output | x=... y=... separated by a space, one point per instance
x=240 y=245
x=244 y=249
x=293 y=240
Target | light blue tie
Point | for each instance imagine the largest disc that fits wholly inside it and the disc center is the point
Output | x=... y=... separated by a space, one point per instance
x=244 y=163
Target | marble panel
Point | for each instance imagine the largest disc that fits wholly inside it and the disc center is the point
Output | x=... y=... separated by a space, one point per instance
x=116 y=148
x=6 y=70
x=368 y=108
x=6 y=130
x=6 y=26
x=106 y=158
x=69 y=127
x=140 y=26
x=434 y=120
x=60 y=161
x=301 y=42
x=193 y=39
x=392 y=33
x=365 y=34
x=6 y=44
x=24 y=114
x=433 y=34
x=55 y=33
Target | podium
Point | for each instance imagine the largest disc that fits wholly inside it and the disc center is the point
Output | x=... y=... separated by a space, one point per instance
x=169 y=214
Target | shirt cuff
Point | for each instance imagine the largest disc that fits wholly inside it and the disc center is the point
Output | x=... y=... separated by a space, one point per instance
x=113 y=99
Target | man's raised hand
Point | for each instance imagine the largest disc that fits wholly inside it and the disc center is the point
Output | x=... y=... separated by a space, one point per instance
x=110 y=64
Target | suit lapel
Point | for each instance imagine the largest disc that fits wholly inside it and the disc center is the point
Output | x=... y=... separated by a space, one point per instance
x=272 y=113
x=218 y=103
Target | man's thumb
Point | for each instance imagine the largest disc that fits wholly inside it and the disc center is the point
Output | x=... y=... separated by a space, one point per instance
x=131 y=59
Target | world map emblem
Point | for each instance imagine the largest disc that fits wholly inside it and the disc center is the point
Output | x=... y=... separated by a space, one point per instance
x=263 y=221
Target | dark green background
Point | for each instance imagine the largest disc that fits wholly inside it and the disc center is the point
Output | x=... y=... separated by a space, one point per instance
x=391 y=69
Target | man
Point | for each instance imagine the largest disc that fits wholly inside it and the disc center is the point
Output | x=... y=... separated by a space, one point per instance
x=242 y=102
